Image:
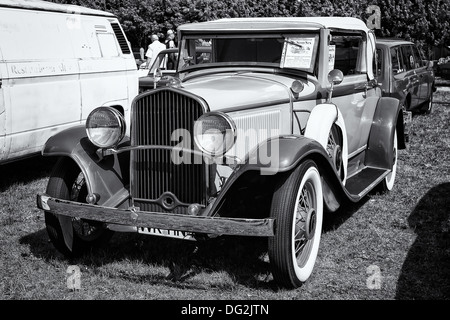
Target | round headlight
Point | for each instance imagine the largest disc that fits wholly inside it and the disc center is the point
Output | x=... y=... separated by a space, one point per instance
x=105 y=127
x=214 y=133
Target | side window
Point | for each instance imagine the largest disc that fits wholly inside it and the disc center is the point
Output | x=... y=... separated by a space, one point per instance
x=408 y=57
x=378 y=63
x=349 y=55
x=420 y=61
x=397 y=62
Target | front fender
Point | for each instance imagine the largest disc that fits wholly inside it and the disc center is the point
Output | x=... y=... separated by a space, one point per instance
x=106 y=177
x=258 y=173
x=322 y=117
x=281 y=154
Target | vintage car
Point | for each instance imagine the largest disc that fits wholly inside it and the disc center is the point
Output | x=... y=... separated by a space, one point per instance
x=405 y=74
x=280 y=122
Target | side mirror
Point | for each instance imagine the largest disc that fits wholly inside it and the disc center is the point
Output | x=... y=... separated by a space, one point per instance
x=335 y=77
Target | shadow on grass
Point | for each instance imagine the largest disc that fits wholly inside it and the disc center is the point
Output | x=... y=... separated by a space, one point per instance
x=244 y=259
x=25 y=171
x=334 y=220
x=425 y=272
x=240 y=257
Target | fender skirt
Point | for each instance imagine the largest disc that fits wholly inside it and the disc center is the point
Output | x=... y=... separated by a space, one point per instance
x=381 y=136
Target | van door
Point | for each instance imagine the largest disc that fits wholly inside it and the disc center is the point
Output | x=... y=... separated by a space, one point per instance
x=103 y=73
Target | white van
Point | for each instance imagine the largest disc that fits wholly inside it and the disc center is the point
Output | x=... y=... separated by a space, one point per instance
x=58 y=63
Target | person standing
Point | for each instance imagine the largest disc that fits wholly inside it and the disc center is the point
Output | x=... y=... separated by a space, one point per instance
x=153 y=50
x=170 y=39
x=170 y=43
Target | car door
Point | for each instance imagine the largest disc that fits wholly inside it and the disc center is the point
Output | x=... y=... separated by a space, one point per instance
x=355 y=97
x=413 y=86
x=423 y=74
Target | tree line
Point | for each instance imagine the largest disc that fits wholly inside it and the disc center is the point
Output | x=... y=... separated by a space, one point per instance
x=425 y=22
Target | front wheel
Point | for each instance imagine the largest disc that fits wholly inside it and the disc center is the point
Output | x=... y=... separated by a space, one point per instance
x=71 y=236
x=297 y=207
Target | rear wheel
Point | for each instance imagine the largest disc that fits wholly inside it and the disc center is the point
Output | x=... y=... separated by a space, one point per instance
x=71 y=236
x=297 y=207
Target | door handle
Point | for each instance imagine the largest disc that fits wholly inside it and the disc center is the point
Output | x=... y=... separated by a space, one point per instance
x=0 y=83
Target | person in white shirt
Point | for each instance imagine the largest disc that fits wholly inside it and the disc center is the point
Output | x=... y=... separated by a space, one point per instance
x=153 y=50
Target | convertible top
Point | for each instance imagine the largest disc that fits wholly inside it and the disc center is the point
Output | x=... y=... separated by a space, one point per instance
x=276 y=23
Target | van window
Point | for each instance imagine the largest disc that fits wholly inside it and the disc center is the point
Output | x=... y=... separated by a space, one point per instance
x=349 y=57
x=123 y=42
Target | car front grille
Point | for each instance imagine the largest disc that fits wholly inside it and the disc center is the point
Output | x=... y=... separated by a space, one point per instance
x=154 y=176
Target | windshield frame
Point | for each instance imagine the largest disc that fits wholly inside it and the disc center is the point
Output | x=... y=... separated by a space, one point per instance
x=288 y=41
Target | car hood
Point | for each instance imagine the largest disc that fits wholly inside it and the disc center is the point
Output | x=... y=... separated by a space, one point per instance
x=238 y=90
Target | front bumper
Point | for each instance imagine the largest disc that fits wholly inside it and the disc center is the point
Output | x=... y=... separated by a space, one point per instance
x=167 y=221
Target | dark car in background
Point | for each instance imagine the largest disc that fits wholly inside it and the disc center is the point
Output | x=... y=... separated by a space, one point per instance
x=443 y=67
x=405 y=74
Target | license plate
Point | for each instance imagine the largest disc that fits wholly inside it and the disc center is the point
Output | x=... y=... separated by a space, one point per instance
x=167 y=233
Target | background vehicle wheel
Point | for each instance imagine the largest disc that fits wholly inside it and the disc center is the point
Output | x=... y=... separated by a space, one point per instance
x=388 y=183
x=297 y=207
x=71 y=236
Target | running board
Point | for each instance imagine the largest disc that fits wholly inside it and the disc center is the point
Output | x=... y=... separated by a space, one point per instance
x=364 y=181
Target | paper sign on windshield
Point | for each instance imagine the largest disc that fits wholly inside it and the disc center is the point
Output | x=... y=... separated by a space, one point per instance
x=298 y=53
x=331 y=57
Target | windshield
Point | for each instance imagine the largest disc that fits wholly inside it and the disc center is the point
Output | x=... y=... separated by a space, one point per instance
x=297 y=51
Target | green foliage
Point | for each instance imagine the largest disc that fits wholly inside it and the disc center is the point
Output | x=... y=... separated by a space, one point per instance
x=425 y=22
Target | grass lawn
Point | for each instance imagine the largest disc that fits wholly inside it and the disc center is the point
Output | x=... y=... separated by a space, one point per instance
x=390 y=246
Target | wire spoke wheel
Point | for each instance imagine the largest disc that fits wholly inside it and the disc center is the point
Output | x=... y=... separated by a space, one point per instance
x=305 y=223
x=334 y=150
x=297 y=207
x=86 y=229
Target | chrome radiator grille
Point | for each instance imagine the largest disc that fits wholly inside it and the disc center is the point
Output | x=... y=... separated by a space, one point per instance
x=154 y=118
